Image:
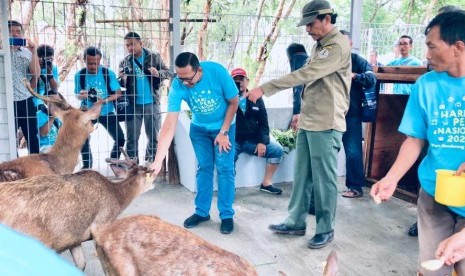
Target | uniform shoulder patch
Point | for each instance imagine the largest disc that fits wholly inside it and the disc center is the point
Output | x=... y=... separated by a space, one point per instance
x=323 y=53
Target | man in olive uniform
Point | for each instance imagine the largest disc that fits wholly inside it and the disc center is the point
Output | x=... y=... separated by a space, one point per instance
x=325 y=101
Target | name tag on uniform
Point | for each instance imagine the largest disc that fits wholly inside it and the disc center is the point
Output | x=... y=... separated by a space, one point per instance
x=255 y=107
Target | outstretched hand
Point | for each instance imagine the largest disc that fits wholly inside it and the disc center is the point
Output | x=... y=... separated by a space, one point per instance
x=156 y=169
x=254 y=94
x=383 y=189
x=452 y=249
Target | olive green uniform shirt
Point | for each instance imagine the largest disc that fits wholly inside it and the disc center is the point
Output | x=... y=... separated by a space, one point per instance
x=327 y=78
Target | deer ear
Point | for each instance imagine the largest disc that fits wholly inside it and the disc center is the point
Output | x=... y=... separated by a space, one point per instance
x=119 y=171
x=94 y=112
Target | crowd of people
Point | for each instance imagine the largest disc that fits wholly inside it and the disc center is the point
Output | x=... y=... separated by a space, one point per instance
x=228 y=119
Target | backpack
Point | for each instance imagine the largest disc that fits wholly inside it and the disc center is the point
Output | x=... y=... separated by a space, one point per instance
x=369 y=104
x=121 y=104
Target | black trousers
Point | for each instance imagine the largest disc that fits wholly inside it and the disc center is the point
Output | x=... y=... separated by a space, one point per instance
x=110 y=123
x=26 y=118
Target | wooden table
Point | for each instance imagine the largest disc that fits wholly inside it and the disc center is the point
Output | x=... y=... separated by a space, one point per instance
x=382 y=139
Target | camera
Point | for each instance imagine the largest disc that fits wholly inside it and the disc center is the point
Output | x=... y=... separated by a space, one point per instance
x=46 y=63
x=127 y=70
x=92 y=95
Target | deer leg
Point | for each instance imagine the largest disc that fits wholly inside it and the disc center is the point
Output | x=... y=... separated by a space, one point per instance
x=78 y=256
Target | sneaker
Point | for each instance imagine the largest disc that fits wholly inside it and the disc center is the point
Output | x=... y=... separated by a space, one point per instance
x=194 y=220
x=227 y=226
x=270 y=189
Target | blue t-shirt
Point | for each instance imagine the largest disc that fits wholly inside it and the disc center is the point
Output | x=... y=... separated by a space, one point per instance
x=49 y=139
x=208 y=99
x=22 y=255
x=98 y=82
x=41 y=85
x=436 y=112
x=144 y=93
x=403 y=88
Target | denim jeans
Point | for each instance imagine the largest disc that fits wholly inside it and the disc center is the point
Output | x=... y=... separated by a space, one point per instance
x=352 y=141
x=273 y=155
x=208 y=156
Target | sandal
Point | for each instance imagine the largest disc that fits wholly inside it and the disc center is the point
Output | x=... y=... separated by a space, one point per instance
x=352 y=194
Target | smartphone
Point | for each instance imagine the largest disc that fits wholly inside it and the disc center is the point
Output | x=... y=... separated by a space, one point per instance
x=17 y=41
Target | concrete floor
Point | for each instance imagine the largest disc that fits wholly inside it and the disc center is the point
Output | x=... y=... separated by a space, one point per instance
x=369 y=239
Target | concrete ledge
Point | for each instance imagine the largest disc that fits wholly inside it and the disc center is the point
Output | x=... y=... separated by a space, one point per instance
x=249 y=169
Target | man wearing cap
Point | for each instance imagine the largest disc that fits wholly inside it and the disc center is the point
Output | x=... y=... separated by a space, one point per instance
x=253 y=133
x=325 y=101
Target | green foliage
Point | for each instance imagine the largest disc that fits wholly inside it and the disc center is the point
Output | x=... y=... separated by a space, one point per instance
x=286 y=138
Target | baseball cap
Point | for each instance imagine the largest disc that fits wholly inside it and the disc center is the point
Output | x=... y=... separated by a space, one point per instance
x=312 y=9
x=238 y=72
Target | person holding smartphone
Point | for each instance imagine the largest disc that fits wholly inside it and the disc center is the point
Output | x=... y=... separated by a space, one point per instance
x=24 y=65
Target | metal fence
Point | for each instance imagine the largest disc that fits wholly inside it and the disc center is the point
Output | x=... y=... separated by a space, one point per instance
x=230 y=39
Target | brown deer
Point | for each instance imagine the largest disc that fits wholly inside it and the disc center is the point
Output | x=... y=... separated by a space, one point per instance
x=64 y=155
x=331 y=267
x=59 y=210
x=147 y=245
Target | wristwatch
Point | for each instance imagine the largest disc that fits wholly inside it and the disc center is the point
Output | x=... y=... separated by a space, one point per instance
x=224 y=132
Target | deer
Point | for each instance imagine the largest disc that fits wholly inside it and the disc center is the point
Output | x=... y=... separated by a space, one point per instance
x=63 y=156
x=147 y=245
x=59 y=210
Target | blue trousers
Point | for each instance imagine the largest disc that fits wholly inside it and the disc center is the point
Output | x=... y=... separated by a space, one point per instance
x=352 y=141
x=208 y=156
x=273 y=155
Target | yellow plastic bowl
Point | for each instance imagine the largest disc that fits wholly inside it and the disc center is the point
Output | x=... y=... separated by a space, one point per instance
x=450 y=188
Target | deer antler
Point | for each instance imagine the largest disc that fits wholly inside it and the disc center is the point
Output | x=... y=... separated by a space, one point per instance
x=127 y=162
x=62 y=102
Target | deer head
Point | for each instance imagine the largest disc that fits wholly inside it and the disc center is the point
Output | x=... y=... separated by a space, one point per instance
x=121 y=168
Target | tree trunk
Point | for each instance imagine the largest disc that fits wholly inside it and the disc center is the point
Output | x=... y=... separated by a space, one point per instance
x=429 y=12
x=203 y=29
x=258 y=15
x=270 y=39
x=75 y=37
x=165 y=32
x=408 y=15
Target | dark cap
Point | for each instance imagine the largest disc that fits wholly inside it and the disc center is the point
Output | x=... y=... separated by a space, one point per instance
x=312 y=9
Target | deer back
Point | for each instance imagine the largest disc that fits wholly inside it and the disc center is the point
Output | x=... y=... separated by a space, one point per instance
x=146 y=245
x=59 y=209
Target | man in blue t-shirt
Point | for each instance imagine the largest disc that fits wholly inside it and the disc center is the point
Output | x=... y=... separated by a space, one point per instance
x=95 y=90
x=212 y=96
x=47 y=84
x=435 y=116
x=405 y=45
x=142 y=73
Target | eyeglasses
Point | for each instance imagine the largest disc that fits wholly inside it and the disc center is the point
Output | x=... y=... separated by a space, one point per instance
x=188 y=79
